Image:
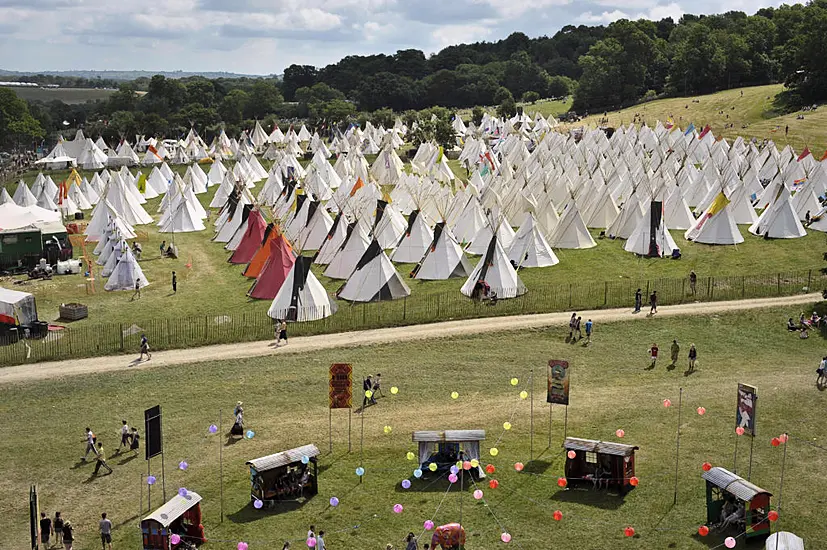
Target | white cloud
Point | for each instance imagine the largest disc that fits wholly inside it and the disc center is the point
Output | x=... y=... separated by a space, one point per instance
x=604 y=18
x=627 y=4
x=455 y=34
x=657 y=13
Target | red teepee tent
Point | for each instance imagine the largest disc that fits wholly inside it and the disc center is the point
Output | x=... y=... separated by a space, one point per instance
x=251 y=240
x=275 y=270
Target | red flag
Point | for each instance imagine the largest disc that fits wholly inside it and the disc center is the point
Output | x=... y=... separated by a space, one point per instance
x=706 y=130
x=804 y=154
x=825 y=156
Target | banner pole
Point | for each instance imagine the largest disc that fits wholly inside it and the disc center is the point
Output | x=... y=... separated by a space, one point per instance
x=349 y=423
x=751 y=443
x=221 y=466
x=330 y=429
x=678 y=445
x=362 y=444
x=531 y=422
x=781 y=492
x=735 y=458
x=566 y=424
x=148 y=486
x=550 y=411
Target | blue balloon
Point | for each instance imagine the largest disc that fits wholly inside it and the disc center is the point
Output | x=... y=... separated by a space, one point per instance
x=305 y=459
x=360 y=471
x=417 y=473
x=406 y=483
x=250 y=434
x=257 y=504
x=454 y=469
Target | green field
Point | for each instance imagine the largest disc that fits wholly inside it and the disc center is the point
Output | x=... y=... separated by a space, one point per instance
x=756 y=110
x=69 y=96
x=285 y=401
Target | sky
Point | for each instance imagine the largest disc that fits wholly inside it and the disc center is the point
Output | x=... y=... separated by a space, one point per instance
x=265 y=36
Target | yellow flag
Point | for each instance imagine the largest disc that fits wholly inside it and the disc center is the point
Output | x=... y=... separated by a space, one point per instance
x=718 y=204
x=441 y=153
x=142 y=183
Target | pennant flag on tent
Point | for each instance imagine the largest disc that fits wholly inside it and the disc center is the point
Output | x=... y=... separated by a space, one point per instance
x=804 y=154
x=154 y=151
x=689 y=129
x=442 y=153
x=60 y=193
x=356 y=186
x=704 y=132
x=825 y=156
x=717 y=205
x=142 y=184
x=669 y=123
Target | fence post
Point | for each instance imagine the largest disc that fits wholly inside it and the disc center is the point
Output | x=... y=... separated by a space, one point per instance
x=809 y=279
x=404 y=308
x=605 y=293
x=743 y=287
x=437 y=306
x=711 y=288
x=683 y=290
x=778 y=284
x=121 y=332
x=570 y=295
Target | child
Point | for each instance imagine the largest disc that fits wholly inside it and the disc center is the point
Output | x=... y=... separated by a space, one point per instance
x=90 y=444
x=577 y=328
x=822 y=371
x=135 y=440
x=589 y=326
x=676 y=349
x=653 y=353
x=124 y=436
x=101 y=462
x=572 y=321
x=377 y=385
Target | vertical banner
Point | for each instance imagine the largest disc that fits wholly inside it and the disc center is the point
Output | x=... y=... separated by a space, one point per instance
x=745 y=415
x=153 y=440
x=34 y=517
x=558 y=382
x=341 y=386
x=655 y=221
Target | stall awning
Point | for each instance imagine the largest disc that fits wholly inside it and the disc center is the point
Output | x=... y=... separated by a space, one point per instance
x=449 y=436
x=733 y=484
x=174 y=508
x=601 y=447
x=17 y=308
x=283 y=458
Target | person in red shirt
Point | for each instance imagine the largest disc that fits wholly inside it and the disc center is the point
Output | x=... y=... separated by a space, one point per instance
x=653 y=354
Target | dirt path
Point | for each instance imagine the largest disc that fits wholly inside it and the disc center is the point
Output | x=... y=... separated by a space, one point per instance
x=54 y=369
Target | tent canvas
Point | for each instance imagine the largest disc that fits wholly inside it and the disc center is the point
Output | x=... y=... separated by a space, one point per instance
x=275 y=271
x=374 y=279
x=17 y=308
x=302 y=297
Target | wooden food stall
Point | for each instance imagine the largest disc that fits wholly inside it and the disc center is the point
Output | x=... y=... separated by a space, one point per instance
x=285 y=475
x=600 y=464
x=179 y=516
x=734 y=502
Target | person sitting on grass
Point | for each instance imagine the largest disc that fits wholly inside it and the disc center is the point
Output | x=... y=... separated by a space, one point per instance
x=791 y=325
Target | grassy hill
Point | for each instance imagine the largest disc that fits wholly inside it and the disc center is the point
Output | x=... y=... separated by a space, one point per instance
x=751 y=112
x=70 y=96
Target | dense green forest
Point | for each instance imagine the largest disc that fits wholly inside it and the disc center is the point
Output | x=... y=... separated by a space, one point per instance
x=603 y=68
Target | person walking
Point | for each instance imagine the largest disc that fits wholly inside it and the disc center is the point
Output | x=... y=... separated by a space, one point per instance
x=410 y=542
x=134 y=440
x=137 y=289
x=163 y=247
x=124 y=437
x=653 y=355
x=821 y=371
x=675 y=351
x=638 y=301
x=68 y=535
x=106 y=531
x=693 y=356
x=377 y=385
x=282 y=333
x=693 y=282
x=589 y=326
x=653 y=302
x=90 y=444
x=174 y=282
x=57 y=525
x=320 y=541
x=577 y=328
x=45 y=530
x=144 y=348
x=101 y=461
x=367 y=385
x=571 y=325
x=311 y=533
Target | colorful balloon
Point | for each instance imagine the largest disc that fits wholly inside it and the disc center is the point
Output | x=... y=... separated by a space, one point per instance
x=773 y=515
x=428 y=525
x=730 y=542
x=478 y=494
x=175 y=538
x=506 y=425
x=557 y=515
x=183 y=465
x=250 y=434
x=505 y=537
x=360 y=471
x=466 y=465
x=432 y=466
x=572 y=454
x=701 y=411
x=242 y=546
x=368 y=394
x=417 y=473
x=258 y=504
x=490 y=469
x=667 y=403
x=494 y=451
x=562 y=482
x=454 y=469
x=629 y=531
x=519 y=466
x=493 y=483
x=475 y=463
x=397 y=508
x=334 y=501
x=782 y=438
x=452 y=478
x=515 y=381
x=213 y=428
x=394 y=390
x=775 y=442
x=410 y=456
x=620 y=433
x=150 y=480
x=406 y=483
x=183 y=492
x=739 y=430
x=706 y=466
x=388 y=430
x=523 y=394
x=305 y=459
x=703 y=530
x=454 y=395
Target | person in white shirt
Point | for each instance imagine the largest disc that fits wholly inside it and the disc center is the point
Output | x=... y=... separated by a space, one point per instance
x=822 y=371
x=124 y=436
x=90 y=444
x=311 y=533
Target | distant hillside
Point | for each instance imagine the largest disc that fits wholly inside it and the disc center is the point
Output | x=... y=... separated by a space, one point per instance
x=129 y=75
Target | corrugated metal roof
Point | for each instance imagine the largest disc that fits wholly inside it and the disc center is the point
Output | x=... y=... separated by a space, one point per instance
x=174 y=509
x=601 y=447
x=449 y=435
x=733 y=484
x=787 y=541
x=283 y=458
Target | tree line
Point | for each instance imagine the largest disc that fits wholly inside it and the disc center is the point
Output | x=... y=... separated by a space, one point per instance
x=602 y=67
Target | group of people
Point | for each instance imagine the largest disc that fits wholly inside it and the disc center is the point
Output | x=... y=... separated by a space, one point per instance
x=575 y=333
x=130 y=441
x=674 y=353
x=64 y=532
x=653 y=301
x=374 y=386
x=804 y=324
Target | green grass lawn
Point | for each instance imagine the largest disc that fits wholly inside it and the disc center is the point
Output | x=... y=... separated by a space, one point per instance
x=755 y=109
x=212 y=286
x=285 y=401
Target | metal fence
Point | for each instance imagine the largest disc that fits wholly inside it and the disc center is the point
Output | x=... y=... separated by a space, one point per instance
x=175 y=333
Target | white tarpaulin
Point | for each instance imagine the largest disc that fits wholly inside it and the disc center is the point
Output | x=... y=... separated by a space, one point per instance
x=17 y=308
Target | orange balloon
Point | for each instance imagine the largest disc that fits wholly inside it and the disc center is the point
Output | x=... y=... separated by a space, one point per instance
x=703 y=530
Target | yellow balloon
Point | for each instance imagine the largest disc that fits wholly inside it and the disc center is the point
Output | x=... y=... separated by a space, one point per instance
x=475 y=463
x=514 y=381
x=394 y=390
x=368 y=394
x=410 y=455
x=523 y=394
x=459 y=464
x=494 y=451
x=454 y=395
x=432 y=466
x=506 y=425
x=388 y=429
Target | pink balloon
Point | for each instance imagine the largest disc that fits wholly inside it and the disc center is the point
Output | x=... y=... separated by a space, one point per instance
x=729 y=542
x=428 y=525
x=620 y=433
x=242 y=546
x=783 y=438
x=175 y=538
x=505 y=537
x=701 y=411
x=739 y=430
x=667 y=403
x=397 y=508
x=572 y=454
x=477 y=494
x=452 y=478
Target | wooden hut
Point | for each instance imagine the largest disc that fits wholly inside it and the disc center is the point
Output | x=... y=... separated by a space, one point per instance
x=288 y=475
x=181 y=515
x=732 y=501
x=447 y=447
x=598 y=464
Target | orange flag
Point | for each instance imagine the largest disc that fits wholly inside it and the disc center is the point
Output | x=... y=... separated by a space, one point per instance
x=356 y=186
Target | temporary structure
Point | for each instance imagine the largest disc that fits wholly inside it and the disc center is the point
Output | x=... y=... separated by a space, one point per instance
x=716 y=225
x=496 y=271
x=374 y=279
x=275 y=270
x=444 y=259
x=251 y=240
x=127 y=274
x=779 y=220
x=651 y=237
x=415 y=241
x=571 y=231
x=302 y=297
x=319 y=224
x=352 y=250
x=530 y=248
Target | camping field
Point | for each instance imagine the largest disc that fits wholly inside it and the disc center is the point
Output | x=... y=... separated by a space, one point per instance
x=212 y=286
x=285 y=400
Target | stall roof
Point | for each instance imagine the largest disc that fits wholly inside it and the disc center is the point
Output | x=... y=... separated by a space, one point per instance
x=787 y=541
x=449 y=435
x=733 y=484
x=283 y=458
x=174 y=508
x=601 y=447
